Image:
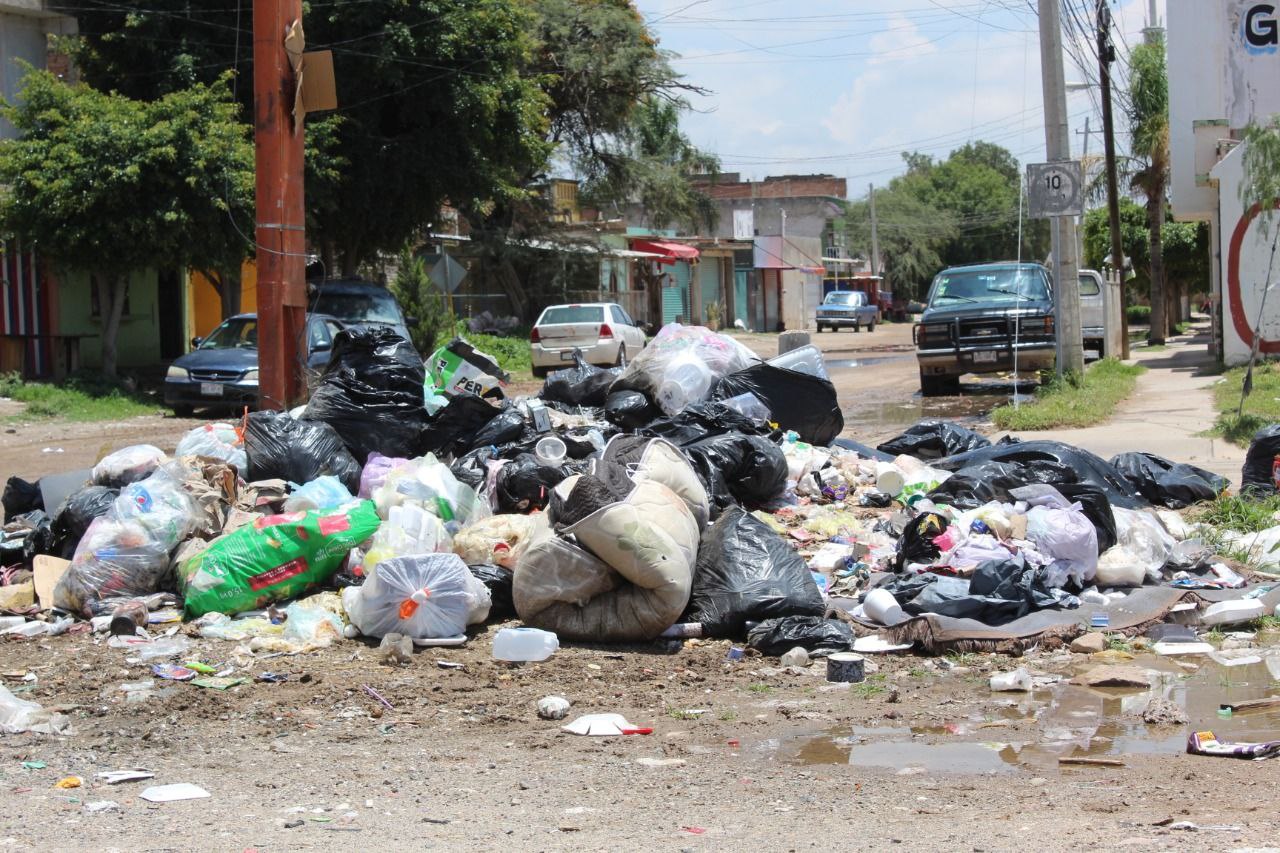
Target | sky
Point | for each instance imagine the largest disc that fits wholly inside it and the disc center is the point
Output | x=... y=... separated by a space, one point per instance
x=844 y=86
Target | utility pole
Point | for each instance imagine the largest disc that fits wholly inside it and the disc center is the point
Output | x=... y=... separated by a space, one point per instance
x=280 y=232
x=1057 y=140
x=1107 y=55
x=875 y=238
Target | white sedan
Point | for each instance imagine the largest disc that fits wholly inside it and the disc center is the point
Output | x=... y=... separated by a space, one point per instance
x=605 y=334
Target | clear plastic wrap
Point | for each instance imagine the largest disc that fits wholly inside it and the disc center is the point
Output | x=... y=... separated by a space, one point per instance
x=217 y=441
x=128 y=465
x=681 y=364
x=424 y=597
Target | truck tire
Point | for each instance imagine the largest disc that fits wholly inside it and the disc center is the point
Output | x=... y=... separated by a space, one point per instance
x=818 y=327
x=871 y=327
x=939 y=386
x=857 y=327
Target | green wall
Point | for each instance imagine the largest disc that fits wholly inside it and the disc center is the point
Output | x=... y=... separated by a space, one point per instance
x=138 y=343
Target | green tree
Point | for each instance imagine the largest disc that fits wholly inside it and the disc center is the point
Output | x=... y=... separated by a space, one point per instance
x=422 y=299
x=1149 y=131
x=109 y=185
x=912 y=235
x=1185 y=245
x=436 y=98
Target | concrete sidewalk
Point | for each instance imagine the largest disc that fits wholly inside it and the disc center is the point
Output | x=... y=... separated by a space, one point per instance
x=1171 y=406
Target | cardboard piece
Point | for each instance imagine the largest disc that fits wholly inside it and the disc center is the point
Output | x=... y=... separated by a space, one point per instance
x=48 y=570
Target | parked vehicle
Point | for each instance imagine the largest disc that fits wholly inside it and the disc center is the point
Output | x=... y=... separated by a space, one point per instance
x=977 y=317
x=222 y=369
x=1092 y=313
x=604 y=333
x=358 y=303
x=847 y=308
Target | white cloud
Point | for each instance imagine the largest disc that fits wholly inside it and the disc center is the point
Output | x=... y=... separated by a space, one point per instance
x=901 y=42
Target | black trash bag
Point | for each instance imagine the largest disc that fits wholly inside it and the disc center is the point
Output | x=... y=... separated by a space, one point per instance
x=581 y=385
x=797 y=401
x=499 y=581
x=999 y=591
x=1168 y=484
x=524 y=484
x=934 y=439
x=862 y=450
x=76 y=514
x=507 y=427
x=299 y=451
x=580 y=442
x=1256 y=477
x=1097 y=508
x=1054 y=463
x=372 y=394
x=916 y=543
x=887 y=527
x=453 y=429
x=629 y=409
x=20 y=497
x=745 y=573
x=775 y=637
x=703 y=420
x=473 y=468
x=41 y=539
x=875 y=499
x=747 y=469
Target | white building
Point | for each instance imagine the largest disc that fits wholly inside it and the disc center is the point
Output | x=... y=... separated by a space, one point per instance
x=1224 y=73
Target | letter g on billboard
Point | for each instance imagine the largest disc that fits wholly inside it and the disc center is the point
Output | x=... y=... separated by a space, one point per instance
x=1260 y=29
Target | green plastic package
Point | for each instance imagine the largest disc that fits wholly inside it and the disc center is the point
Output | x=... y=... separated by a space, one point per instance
x=276 y=557
x=459 y=368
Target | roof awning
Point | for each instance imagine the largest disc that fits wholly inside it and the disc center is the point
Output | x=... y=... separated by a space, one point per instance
x=668 y=253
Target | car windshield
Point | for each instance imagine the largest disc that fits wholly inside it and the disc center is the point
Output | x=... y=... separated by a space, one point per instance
x=238 y=332
x=843 y=297
x=993 y=285
x=373 y=307
x=572 y=314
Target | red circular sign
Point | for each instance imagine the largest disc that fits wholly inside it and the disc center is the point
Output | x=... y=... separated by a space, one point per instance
x=1238 y=319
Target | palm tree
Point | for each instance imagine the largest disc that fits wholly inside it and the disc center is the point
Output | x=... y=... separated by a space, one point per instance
x=1149 y=128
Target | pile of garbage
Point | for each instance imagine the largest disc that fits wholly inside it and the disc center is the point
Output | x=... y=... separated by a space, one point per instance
x=698 y=491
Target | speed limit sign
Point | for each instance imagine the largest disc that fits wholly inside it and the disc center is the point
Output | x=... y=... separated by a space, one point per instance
x=1055 y=189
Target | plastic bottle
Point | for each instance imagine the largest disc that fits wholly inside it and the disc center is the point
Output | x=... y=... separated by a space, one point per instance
x=550 y=451
x=1017 y=681
x=7 y=622
x=524 y=644
x=686 y=380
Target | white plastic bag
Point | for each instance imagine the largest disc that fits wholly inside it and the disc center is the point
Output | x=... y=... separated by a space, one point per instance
x=425 y=597
x=1068 y=538
x=321 y=493
x=217 y=441
x=1142 y=548
x=128 y=465
x=409 y=531
x=688 y=360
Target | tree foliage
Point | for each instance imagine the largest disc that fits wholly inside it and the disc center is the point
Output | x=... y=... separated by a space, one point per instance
x=1261 y=185
x=1186 y=247
x=1149 y=132
x=960 y=210
x=110 y=185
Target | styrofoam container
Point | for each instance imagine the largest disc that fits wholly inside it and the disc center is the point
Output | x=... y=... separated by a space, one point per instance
x=1233 y=612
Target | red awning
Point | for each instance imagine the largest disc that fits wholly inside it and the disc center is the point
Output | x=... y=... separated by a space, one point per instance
x=670 y=252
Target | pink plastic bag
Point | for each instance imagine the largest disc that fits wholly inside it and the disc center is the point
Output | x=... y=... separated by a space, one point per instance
x=375 y=472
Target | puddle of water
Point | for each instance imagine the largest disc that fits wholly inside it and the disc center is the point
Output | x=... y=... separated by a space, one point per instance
x=1069 y=721
x=861 y=362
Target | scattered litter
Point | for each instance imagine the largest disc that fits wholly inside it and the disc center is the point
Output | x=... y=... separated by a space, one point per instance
x=174 y=793
x=219 y=682
x=1207 y=743
x=102 y=806
x=116 y=777
x=553 y=707
x=69 y=782
x=603 y=725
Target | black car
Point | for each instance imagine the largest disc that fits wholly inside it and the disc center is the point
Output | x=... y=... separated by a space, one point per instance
x=222 y=369
x=358 y=304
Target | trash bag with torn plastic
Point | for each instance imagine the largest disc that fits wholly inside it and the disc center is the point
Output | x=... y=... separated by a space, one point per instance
x=1167 y=483
x=429 y=484
x=125 y=553
x=628 y=576
x=1142 y=549
x=432 y=596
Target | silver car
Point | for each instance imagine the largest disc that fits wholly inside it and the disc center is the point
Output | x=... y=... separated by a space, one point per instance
x=604 y=333
x=1091 y=310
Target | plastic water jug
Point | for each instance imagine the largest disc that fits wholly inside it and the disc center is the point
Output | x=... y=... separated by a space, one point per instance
x=806 y=359
x=524 y=644
x=686 y=380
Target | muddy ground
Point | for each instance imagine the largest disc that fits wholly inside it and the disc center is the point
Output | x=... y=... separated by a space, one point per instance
x=744 y=755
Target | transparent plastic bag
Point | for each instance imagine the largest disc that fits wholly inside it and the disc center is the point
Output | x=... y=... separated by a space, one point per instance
x=500 y=539
x=1142 y=548
x=125 y=553
x=685 y=361
x=429 y=484
x=128 y=465
x=375 y=472
x=320 y=493
x=424 y=597
x=217 y=441
x=409 y=531
x=1068 y=538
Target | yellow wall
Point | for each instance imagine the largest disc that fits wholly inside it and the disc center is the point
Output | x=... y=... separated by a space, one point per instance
x=206 y=308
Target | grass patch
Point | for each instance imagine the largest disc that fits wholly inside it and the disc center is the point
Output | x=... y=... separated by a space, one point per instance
x=728 y=716
x=1231 y=512
x=679 y=714
x=964 y=658
x=1139 y=314
x=79 y=398
x=1061 y=403
x=759 y=688
x=1119 y=643
x=1261 y=407
x=511 y=351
